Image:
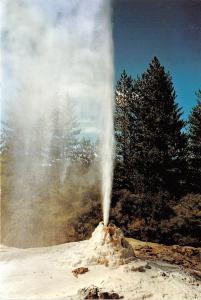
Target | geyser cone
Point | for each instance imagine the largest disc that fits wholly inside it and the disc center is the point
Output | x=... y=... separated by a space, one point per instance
x=108 y=246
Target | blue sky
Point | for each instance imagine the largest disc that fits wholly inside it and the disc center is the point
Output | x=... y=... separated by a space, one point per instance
x=168 y=29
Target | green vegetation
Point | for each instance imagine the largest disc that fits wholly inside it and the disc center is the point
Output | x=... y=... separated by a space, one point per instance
x=194 y=147
x=150 y=141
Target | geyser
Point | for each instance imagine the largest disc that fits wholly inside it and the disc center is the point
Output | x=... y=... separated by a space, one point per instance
x=57 y=62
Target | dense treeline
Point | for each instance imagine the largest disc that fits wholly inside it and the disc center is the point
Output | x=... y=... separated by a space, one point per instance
x=154 y=152
x=157 y=172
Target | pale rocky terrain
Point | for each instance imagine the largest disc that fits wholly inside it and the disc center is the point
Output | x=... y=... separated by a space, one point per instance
x=46 y=273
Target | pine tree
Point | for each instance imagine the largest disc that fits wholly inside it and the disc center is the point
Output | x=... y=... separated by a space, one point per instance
x=65 y=132
x=194 y=146
x=86 y=153
x=64 y=139
x=159 y=144
x=122 y=125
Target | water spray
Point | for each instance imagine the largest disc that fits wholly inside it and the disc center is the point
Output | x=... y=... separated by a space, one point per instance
x=54 y=54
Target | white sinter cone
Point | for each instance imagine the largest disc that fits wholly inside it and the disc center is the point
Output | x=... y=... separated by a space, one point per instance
x=108 y=246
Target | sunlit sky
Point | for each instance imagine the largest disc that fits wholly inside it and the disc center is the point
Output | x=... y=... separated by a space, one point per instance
x=168 y=29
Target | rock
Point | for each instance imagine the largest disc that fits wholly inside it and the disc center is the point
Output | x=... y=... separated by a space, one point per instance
x=148 y=266
x=79 y=271
x=164 y=274
x=195 y=273
x=138 y=269
x=91 y=292
x=94 y=292
x=106 y=295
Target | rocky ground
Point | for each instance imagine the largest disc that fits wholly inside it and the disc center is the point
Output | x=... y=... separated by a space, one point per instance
x=188 y=258
x=67 y=272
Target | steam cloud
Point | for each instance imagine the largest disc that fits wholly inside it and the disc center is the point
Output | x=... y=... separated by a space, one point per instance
x=55 y=55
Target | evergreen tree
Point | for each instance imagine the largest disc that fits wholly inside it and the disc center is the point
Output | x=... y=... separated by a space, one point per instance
x=194 y=146
x=64 y=139
x=11 y=140
x=86 y=152
x=4 y=138
x=122 y=125
x=159 y=144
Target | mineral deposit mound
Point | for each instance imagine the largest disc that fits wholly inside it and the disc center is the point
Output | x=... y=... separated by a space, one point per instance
x=109 y=247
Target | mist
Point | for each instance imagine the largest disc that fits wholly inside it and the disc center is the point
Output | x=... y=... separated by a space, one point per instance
x=57 y=88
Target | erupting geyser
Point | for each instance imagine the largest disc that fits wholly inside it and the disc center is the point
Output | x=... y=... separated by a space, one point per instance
x=57 y=62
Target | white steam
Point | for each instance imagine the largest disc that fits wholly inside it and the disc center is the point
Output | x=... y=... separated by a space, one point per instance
x=57 y=56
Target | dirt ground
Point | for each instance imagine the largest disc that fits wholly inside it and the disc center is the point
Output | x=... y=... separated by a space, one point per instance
x=189 y=258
